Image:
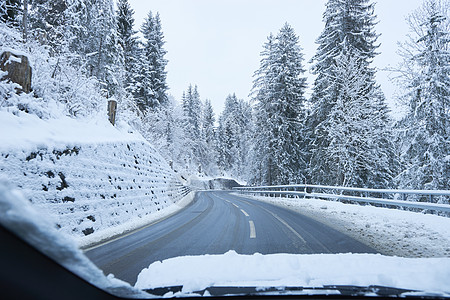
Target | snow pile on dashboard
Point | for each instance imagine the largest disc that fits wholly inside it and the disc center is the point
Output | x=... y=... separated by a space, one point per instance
x=93 y=179
x=196 y=273
x=24 y=219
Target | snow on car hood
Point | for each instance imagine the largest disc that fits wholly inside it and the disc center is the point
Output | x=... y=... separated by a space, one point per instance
x=231 y=269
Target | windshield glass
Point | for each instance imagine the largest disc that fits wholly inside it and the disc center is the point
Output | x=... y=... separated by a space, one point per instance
x=211 y=148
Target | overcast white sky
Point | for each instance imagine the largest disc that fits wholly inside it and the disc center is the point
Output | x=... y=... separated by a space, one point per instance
x=216 y=43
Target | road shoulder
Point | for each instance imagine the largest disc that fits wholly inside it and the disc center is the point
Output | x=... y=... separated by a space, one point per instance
x=133 y=226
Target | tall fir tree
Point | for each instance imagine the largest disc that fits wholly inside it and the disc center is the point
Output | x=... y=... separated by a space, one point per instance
x=192 y=108
x=349 y=32
x=208 y=120
x=228 y=134
x=49 y=19
x=129 y=43
x=93 y=36
x=233 y=138
x=153 y=86
x=278 y=91
x=208 y=138
x=426 y=75
x=359 y=149
x=10 y=12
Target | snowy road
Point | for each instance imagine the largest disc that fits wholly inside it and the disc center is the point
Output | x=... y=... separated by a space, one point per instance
x=215 y=223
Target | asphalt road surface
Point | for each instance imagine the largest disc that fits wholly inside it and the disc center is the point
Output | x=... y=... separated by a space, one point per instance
x=214 y=223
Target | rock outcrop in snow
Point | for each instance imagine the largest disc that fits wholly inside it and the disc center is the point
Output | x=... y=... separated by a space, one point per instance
x=18 y=68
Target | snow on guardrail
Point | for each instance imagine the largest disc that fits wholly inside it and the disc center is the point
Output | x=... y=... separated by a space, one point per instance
x=435 y=200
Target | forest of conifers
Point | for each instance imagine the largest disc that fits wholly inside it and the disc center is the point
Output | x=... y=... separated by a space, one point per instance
x=86 y=51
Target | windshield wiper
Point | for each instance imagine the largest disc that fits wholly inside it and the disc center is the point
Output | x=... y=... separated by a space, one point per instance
x=337 y=290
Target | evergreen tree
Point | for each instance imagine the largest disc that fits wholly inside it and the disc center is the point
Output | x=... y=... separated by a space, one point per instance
x=349 y=32
x=164 y=127
x=10 y=12
x=48 y=20
x=359 y=149
x=92 y=35
x=228 y=134
x=153 y=86
x=129 y=43
x=426 y=74
x=208 y=138
x=280 y=113
x=352 y=21
x=194 y=146
x=208 y=120
x=233 y=140
x=192 y=111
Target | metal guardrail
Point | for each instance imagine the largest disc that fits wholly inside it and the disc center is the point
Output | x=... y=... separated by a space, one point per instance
x=418 y=199
x=185 y=191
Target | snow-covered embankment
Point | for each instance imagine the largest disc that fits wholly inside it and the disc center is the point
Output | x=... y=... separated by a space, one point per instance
x=94 y=180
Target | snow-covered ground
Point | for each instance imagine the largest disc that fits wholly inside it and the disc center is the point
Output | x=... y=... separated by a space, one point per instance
x=390 y=231
x=94 y=180
x=195 y=273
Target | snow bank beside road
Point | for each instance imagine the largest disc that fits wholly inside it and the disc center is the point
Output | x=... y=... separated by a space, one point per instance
x=390 y=231
x=195 y=273
x=93 y=179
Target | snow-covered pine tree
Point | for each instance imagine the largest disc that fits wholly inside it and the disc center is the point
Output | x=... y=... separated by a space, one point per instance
x=245 y=118
x=353 y=21
x=349 y=30
x=93 y=36
x=359 y=148
x=208 y=120
x=163 y=126
x=208 y=137
x=192 y=111
x=233 y=137
x=280 y=112
x=260 y=144
x=129 y=43
x=192 y=108
x=426 y=76
x=153 y=86
x=228 y=134
x=48 y=20
x=10 y=12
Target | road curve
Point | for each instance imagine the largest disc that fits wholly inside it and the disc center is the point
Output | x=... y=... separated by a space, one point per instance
x=214 y=223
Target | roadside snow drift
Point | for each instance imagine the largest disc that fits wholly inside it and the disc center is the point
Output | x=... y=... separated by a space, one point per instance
x=93 y=179
x=195 y=273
